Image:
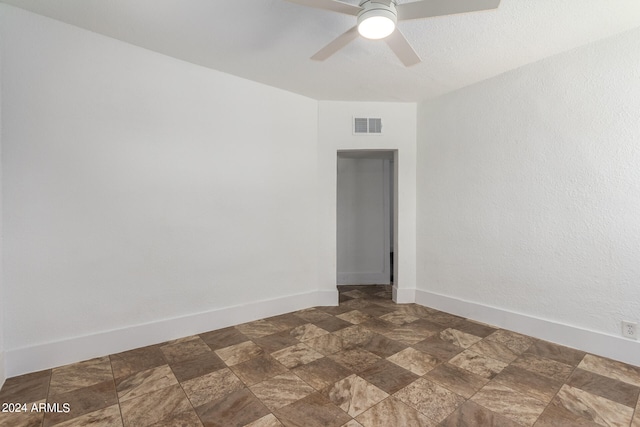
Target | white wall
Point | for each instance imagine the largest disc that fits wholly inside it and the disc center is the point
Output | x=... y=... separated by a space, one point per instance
x=399 y=133
x=2 y=299
x=529 y=198
x=144 y=197
x=363 y=221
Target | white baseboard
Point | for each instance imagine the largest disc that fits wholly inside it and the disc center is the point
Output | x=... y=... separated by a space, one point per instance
x=363 y=278
x=403 y=296
x=597 y=343
x=3 y=377
x=59 y=353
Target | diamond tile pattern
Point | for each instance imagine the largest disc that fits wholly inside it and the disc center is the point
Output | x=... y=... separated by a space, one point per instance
x=368 y=362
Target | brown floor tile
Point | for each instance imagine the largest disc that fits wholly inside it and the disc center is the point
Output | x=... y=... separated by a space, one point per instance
x=184 y=350
x=354 y=316
x=154 y=407
x=355 y=359
x=212 y=386
x=458 y=380
x=470 y=414
x=478 y=364
x=107 y=417
x=223 y=338
x=82 y=401
x=566 y=355
x=594 y=408
x=352 y=423
x=79 y=375
x=312 y=411
x=378 y=326
x=435 y=346
x=258 y=369
x=26 y=418
x=354 y=336
x=430 y=399
x=333 y=324
x=140 y=359
x=474 y=328
x=260 y=328
x=536 y=385
x=376 y=310
x=392 y=412
x=312 y=368
x=313 y=315
x=307 y=332
x=399 y=318
x=509 y=403
x=515 y=342
x=183 y=419
x=388 y=376
x=383 y=346
x=354 y=395
x=296 y=355
x=144 y=382
x=543 y=366
x=26 y=388
x=494 y=350
x=414 y=360
x=333 y=310
x=602 y=386
x=445 y=319
x=342 y=298
x=268 y=420
x=275 y=342
x=636 y=416
x=199 y=365
x=239 y=353
x=286 y=321
x=459 y=338
x=407 y=335
x=321 y=373
x=555 y=416
x=611 y=368
x=326 y=344
x=282 y=390
x=236 y=409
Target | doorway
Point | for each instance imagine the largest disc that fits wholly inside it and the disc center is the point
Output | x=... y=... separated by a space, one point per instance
x=366 y=217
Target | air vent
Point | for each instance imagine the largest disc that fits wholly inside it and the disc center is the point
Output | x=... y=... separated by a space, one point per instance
x=363 y=125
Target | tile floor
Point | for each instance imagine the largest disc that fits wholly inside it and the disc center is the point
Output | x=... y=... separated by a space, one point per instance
x=368 y=362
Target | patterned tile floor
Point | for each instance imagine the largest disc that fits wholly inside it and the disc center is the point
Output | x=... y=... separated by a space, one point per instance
x=368 y=362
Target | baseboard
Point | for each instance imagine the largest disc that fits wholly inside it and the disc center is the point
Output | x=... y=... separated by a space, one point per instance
x=403 y=296
x=59 y=353
x=363 y=278
x=3 y=377
x=598 y=343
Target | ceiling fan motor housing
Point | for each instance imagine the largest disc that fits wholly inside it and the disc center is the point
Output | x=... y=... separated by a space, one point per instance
x=381 y=14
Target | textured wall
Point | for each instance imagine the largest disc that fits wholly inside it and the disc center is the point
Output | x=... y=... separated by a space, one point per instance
x=529 y=189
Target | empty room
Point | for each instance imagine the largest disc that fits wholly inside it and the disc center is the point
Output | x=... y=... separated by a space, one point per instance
x=352 y=213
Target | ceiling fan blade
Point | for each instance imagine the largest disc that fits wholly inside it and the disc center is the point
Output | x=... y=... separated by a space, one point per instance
x=333 y=5
x=403 y=50
x=337 y=44
x=429 y=8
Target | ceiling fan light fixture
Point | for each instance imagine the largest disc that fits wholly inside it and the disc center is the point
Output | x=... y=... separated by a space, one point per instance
x=377 y=21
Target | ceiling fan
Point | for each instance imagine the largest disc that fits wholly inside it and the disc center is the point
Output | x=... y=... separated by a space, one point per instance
x=377 y=20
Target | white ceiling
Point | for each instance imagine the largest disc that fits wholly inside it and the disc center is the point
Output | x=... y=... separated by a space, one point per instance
x=270 y=41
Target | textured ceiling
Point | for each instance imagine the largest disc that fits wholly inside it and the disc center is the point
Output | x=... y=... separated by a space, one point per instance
x=270 y=41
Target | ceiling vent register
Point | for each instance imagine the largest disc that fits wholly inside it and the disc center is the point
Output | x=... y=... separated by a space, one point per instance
x=367 y=126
